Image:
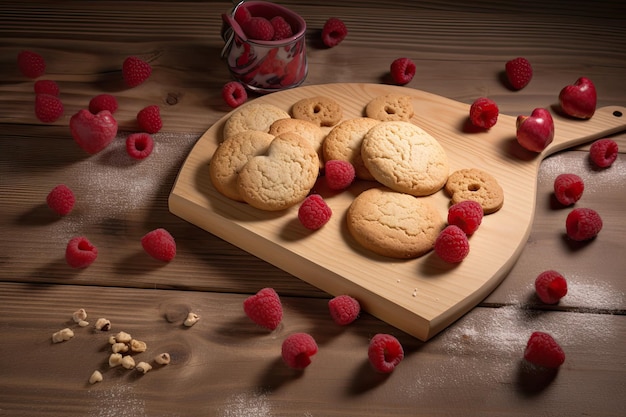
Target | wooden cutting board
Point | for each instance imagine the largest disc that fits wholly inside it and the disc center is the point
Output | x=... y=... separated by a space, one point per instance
x=420 y=296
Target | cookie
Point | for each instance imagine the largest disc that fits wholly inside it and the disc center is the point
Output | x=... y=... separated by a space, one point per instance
x=253 y=116
x=231 y=155
x=344 y=141
x=308 y=130
x=393 y=224
x=282 y=177
x=476 y=185
x=321 y=110
x=403 y=157
x=390 y=107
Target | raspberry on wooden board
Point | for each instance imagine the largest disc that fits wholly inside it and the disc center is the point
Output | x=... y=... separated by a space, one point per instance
x=313 y=212
x=542 y=350
x=80 y=252
x=61 y=199
x=402 y=70
x=550 y=286
x=297 y=350
x=344 y=309
x=385 y=352
x=31 y=64
x=159 y=244
x=135 y=71
x=519 y=72
x=264 y=308
x=603 y=152
x=334 y=32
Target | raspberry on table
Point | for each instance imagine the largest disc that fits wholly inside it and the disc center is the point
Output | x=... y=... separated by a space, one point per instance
x=31 y=64
x=139 y=145
x=467 y=215
x=47 y=87
x=339 y=174
x=297 y=350
x=159 y=244
x=234 y=94
x=80 y=253
x=550 y=286
x=61 y=199
x=314 y=213
x=135 y=71
x=385 y=352
x=543 y=350
x=282 y=28
x=333 y=32
x=344 y=309
x=603 y=152
x=264 y=308
x=258 y=28
x=519 y=72
x=568 y=188
x=484 y=113
x=402 y=71
x=103 y=102
x=149 y=119
x=48 y=108
x=452 y=244
x=583 y=224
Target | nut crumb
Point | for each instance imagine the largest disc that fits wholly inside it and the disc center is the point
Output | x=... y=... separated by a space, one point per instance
x=103 y=324
x=162 y=359
x=143 y=367
x=128 y=362
x=138 y=346
x=95 y=377
x=119 y=347
x=79 y=315
x=62 y=335
x=115 y=360
x=192 y=318
x=123 y=337
x=83 y=323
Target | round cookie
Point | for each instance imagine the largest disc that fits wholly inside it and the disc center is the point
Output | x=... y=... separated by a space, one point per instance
x=309 y=131
x=253 y=116
x=321 y=110
x=476 y=185
x=394 y=224
x=390 y=107
x=231 y=155
x=282 y=177
x=405 y=158
x=344 y=141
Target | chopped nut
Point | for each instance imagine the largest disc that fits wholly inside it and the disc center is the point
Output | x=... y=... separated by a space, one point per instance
x=95 y=377
x=123 y=337
x=143 y=367
x=112 y=339
x=103 y=324
x=191 y=319
x=128 y=362
x=138 y=345
x=62 y=335
x=83 y=323
x=119 y=347
x=79 y=315
x=162 y=359
x=115 y=359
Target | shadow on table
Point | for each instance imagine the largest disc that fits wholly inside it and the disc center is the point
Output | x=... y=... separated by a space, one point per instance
x=532 y=380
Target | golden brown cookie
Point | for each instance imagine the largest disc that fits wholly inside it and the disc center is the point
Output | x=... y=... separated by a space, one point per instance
x=344 y=141
x=394 y=224
x=253 y=116
x=405 y=158
x=390 y=107
x=282 y=177
x=308 y=130
x=321 y=110
x=477 y=185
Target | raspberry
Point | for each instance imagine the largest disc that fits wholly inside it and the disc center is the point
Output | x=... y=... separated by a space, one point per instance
x=297 y=350
x=242 y=15
x=543 y=350
x=385 y=352
x=149 y=119
x=47 y=87
x=484 y=113
x=333 y=32
x=402 y=71
x=103 y=102
x=583 y=224
x=135 y=71
x=48 y=108
x=339 y=174
x=31 y=64
x=452 y=245
x=282 y=28
x=314 y=213
x=519 y=72
x=264 y=308
x=550 y=287
x=80 y=253
x=159 y=244
x=467 y=215
x=603 y=152
x=258 y=28
x=61 y=199
x=344 y=309
x=568 y=188
x=139 y=145
x=234 y=94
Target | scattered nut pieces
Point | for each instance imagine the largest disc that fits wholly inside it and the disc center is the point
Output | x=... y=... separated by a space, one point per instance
x=192 y=318
x=83 y=323
x=79 y=315
x=95 y=377
x=143 y=367
x=123 y=337
x=138 y=346
x=119 y=347
x=162 y=359
x=103 y=324
x=128 y=362
x=62 y=335
x=115 y=360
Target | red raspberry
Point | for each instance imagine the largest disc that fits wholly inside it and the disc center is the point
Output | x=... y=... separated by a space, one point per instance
x=402 y=71
x=80 y=253
x=603 y=152
x=149 y=119
x=242 y=15
x=339 y=174
x=519 y=72
x=568 y=188
x=297 y=350
x=282 y=28
x=452 y=245
x=61 y=199
x=550 y=287
x=159 y=244
x=135 y=71
x=31 y=64
x=484 y=113
x=264 y=308
x=467 y=215
x=314 y=212
x=258 y=28
x=103 y=102
x=234 y=94
x=344 y=309
x=583 y=224
x=333 y=32
x=139 y=145
x=48 y=108
x=47 y=87
x=385 y=352
x=543 y=350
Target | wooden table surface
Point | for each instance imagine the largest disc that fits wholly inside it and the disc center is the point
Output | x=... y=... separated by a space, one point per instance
x=225 y=365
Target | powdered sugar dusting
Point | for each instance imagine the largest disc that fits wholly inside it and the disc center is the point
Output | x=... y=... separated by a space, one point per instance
x=118 y=401
x=253 y=404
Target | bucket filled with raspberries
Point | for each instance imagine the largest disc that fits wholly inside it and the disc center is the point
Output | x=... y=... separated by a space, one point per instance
x=265 y=46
